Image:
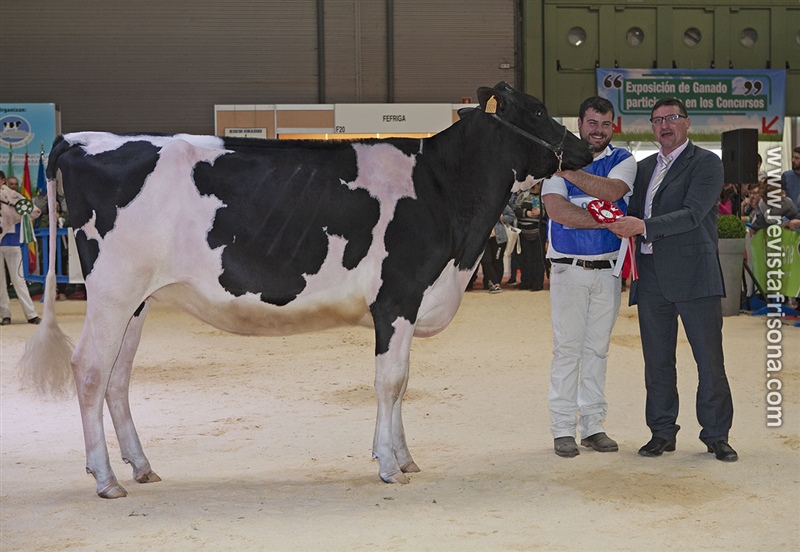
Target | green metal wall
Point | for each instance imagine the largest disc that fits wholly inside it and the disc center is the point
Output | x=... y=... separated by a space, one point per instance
x=559 y=64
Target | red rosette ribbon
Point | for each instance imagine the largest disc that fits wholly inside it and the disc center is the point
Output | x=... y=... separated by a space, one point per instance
x=606 y=212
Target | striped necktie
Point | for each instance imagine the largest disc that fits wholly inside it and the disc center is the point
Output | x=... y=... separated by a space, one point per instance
x=648 y=211
x=665 y=161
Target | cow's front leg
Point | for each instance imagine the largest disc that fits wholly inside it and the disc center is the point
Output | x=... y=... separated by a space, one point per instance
x=401 y=452
x=391 y=377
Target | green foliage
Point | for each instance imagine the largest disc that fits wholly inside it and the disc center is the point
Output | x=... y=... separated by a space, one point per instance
x=731 y=226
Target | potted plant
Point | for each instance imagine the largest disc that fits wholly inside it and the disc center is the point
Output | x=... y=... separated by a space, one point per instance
x=732 y=232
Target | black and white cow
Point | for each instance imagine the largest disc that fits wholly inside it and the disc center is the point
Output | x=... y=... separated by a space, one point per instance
x=279 y=237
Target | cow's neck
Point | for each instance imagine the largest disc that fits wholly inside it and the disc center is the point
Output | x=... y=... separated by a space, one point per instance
x=476 y=177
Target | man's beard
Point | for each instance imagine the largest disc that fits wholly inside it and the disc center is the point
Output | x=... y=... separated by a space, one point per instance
x=603 y=145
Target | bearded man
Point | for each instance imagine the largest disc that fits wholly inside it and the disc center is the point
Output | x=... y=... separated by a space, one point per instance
x=584 y=294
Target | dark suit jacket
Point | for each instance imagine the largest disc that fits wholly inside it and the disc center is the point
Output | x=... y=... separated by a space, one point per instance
x=683 y=225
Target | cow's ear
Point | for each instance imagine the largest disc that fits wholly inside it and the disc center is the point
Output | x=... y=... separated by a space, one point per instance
x=489 y=100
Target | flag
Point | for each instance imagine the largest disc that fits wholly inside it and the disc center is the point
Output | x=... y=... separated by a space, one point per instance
x=10 y=169
x=41 y=182
x=27 y=235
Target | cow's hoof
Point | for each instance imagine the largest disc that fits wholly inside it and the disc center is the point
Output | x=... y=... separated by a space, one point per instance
x=112 y=490
x=395 y=477
x=148 y=477
x=411 y=467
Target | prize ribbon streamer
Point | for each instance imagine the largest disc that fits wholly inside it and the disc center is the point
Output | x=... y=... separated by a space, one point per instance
x=605 y=212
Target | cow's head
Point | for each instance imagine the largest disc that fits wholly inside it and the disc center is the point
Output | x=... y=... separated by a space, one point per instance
x=12 y=206
x=528 y=117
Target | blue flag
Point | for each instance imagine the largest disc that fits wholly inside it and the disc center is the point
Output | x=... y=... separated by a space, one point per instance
x=41 y=183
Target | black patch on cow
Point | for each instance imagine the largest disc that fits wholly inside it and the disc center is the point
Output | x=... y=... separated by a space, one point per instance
x=282 y=200
x=99 y=185
x=462 y=180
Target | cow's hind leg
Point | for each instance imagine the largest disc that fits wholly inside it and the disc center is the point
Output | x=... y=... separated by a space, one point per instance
x=391 y=377
x=92 y=362
x=119 y=404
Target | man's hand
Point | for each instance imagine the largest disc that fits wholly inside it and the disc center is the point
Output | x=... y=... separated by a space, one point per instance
x=625 y=227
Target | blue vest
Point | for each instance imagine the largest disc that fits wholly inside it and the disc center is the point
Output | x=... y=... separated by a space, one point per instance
x=584 y=241
x=12 y=238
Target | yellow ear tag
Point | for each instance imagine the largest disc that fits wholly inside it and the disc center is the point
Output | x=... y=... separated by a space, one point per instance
x=491 y=105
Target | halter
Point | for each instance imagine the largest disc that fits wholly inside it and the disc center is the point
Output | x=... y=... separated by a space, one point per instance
x=558 y=150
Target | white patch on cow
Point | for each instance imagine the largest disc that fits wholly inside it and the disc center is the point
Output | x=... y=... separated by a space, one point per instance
x=441 y=300
x=147 y=246
x=100 y=142
x=386 y=173
x=335 y=294
x=89 y=229
x=523 y=186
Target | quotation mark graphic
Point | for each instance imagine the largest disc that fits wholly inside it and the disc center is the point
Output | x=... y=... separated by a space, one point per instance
x=612 y=81
x=747 y=87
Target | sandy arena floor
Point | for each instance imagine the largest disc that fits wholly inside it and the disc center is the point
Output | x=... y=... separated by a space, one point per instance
x=264 y=444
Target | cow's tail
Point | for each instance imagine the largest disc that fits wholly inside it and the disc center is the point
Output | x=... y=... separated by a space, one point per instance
x=45 y=364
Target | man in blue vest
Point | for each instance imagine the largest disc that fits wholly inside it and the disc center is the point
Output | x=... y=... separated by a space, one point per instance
x=11 y=257
x=584 y=294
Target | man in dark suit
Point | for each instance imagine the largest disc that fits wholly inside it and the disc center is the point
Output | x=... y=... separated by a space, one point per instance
x=673 y=212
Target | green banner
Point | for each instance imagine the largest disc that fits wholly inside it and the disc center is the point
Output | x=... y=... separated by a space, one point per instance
x=776 y=260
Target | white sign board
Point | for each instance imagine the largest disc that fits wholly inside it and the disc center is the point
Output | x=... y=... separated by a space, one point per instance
x=247 y=132
x=391 y=118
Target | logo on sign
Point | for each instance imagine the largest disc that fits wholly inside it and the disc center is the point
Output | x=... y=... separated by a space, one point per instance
x=16 y=131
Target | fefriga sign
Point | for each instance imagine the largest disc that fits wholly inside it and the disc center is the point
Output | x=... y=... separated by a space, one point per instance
x=717 y=100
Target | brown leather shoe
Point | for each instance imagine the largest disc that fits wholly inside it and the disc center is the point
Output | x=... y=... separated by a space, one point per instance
x=600 y=442
x=566 y=447
x=5 y=322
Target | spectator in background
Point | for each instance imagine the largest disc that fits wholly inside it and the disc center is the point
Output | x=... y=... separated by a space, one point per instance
x=766 y=210
x=11 y=257
x=726 y=199
x=790 y=180
x=492 y=261
x=530 y=218
x=748 y=196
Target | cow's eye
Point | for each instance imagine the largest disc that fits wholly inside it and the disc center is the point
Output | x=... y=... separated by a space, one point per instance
x=538 y=112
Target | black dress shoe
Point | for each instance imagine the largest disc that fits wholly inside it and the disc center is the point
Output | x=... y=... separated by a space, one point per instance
x=723 y=451
x=656 y=447
x=566 y=447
